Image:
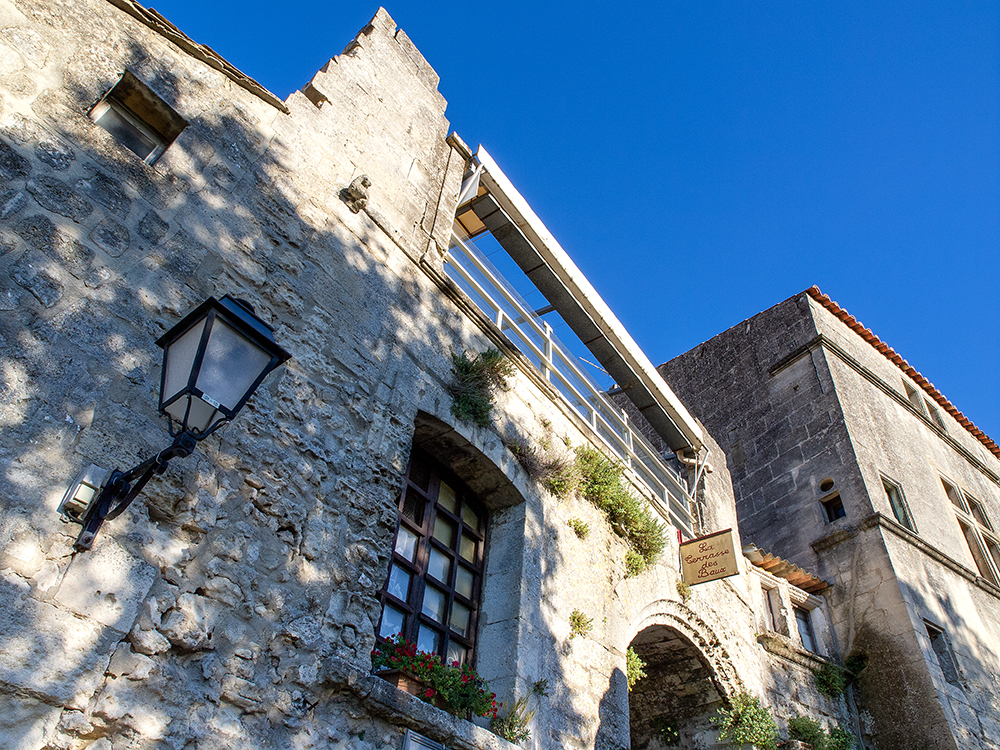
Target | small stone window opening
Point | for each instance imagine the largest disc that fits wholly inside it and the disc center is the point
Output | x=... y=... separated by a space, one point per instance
x=137 y=118
x=834 y=507
x=804 y=624
x=945 y=656
x=431 y=594
x=897 y=502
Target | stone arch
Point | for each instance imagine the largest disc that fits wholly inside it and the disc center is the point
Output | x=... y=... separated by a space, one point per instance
x=688 y=676
x=486 y=469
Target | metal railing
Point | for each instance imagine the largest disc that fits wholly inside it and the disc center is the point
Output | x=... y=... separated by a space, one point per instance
x=489 y=290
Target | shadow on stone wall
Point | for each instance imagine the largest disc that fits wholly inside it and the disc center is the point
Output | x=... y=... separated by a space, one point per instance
x=222 y=591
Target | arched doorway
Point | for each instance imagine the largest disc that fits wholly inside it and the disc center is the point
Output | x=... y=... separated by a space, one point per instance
x=669 y=708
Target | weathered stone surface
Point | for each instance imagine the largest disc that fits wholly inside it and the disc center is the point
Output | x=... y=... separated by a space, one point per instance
x=32 y=273
x=111 y=237
x=152 y=228
x=107 y=191
x=58 y=197
x=13 y=166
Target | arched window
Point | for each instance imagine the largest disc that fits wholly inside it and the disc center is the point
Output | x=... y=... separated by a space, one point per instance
x=431 y=594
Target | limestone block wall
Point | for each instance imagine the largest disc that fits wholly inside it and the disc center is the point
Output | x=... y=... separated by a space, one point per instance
x=235 y=604
x=780 y=422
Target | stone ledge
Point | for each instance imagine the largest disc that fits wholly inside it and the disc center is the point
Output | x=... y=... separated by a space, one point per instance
x=781 y=645
x=405 y=710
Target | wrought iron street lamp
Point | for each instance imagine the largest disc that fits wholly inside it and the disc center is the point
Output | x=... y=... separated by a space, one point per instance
x=213 y=361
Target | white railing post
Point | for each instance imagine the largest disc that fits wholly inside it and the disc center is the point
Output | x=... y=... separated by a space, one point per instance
x=547 y=351
x=628 y=439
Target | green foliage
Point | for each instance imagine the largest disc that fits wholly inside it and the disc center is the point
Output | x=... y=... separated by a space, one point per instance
x=666 y=728
x=840 y=739
x=458 y=685
x=856 y=662
x=812 y=733
x=475 y=381
x=513 y=725
x=746 y=722
x=603 y=484
x=633 y=668
x=541 y=687
x=830 y=680
x=580 y=624
x=684 y=589
x=580 y=527
x=563 y=477
x=807 y=730
x=634 y=563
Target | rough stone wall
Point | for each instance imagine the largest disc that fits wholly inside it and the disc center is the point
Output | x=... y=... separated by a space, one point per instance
x=811 y=401
x=783 y=433
x=234 y=605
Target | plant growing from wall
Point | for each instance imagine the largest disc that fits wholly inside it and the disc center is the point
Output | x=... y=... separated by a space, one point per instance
x=634 y=563
x=746 y=722
x=807 y=730
x=830 y=680
x=579 y=527
x=684 y=590
x=856 y=662
x=580 y=624
x=633 y=667
x=810 y=731
x=513 y=725
x=475 y=381
x=603 y=484
x=540 y=688
x=666 y=728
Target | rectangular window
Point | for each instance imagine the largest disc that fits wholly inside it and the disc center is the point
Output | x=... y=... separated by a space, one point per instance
x=897 y=502
x=137 y=118
x=834 y=508
x=913 y=397
x=806 y=636
x=942 y=650
x=431 y=594
x=954 y=494
x=935 y=414
x=977 y=529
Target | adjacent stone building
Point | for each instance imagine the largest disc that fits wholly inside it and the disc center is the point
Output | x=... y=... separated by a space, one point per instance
x=855 y=467
x=236 y=603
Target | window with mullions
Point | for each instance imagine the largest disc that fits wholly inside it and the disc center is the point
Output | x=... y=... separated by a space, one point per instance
x=977 y=530
x=431 y=595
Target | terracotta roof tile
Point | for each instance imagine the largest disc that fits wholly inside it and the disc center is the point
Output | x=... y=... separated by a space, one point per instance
x=903 y=365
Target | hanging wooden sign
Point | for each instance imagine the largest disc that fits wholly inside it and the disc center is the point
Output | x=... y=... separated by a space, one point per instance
x=709 y=558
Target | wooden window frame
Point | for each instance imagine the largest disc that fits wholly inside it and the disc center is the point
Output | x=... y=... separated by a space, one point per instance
x=426 y=493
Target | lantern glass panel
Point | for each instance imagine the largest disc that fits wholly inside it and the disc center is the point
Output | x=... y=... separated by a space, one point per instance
x=231 y=365
x=201 y=417
x=178 y=359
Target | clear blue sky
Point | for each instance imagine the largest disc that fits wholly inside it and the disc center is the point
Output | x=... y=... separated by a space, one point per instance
x=702 y=161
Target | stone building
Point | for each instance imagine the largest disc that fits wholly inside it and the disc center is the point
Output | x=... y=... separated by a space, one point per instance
x=857 y=468
x=236 y=602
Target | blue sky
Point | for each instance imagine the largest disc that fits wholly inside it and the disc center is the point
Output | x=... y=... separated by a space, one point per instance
x=702 y=161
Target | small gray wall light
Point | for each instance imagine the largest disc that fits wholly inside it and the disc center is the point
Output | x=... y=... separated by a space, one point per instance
x=213 y=361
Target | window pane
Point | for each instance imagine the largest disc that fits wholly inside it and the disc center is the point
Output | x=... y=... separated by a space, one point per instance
x=805 y=630
x=460 y=618
x=439 y=566
x=954 y=495
x=456 y=653
x=406 y=543
x=435 y=603
x=413 y=508
x=899 y=510
x=447 y=499
x=468 y=548
x=444 y=531
x=392 y=622
x=231 y=364
x=978 y=513
x=126 y=133
x=463 y=582
x=420 y=474
x=399 y=583
x=428 y=640
x=470 y=517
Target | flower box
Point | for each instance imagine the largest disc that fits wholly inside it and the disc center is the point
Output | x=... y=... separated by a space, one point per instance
x=409 y=684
